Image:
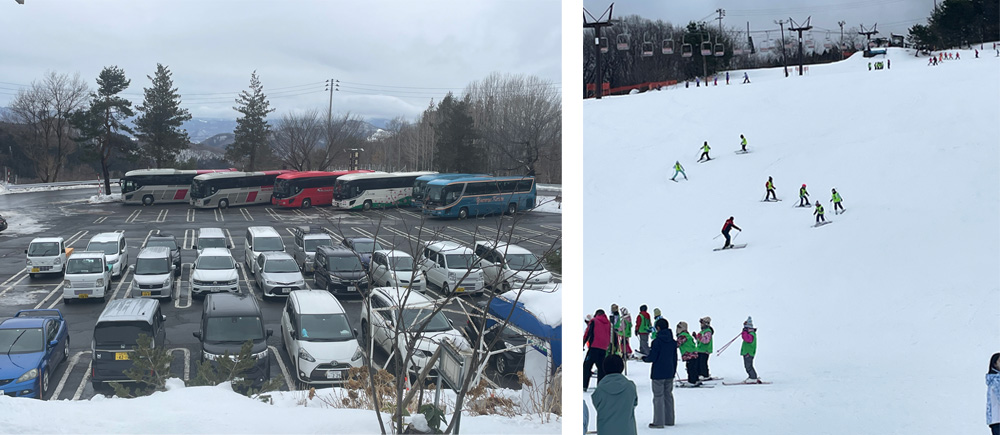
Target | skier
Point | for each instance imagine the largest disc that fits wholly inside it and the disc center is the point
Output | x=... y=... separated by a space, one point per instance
x=743 y=143
x=614 y=318
x=615 y=400
x=704 y=152
x=803 y=196
x=749 y=350
x=704 y=346
x=958 y=56
x=678 y=169
x=977 y=54
x=725 y=230
x=715 y=81
x=992 y=394
x=689 y=353
x=819 y=213
x=746 y=78
x=597 y=339
x=836 y=200
x=869 y=66
x=697 y=82
x=663 y=355
x=656 y=316
x=643 y=326
x=727 y=77
x=625 y=333
x=770 y=190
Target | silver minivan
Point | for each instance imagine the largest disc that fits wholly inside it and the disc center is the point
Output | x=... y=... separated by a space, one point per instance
x=260 y=239
x=153 y=273
x=210 y=238
x=306 y=241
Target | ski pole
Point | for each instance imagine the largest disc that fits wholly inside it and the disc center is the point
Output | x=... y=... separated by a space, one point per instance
x=716 y=236
x=727 y=344
x=738 y=232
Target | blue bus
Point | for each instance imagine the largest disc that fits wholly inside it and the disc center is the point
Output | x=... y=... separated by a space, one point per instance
x=420 y=185
x=478 y=196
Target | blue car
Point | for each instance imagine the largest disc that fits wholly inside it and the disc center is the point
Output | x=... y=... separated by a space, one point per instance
x=34 y=343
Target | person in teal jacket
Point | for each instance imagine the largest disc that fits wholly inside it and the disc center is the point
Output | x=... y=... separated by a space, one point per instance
x=689 y=352
x=678 y=169
x=749 y=350
x=615 y=400
x=836 y=200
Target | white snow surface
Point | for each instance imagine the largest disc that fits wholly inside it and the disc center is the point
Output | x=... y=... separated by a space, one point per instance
x=219 y=410
x=546 y=304
x=881 y=322
x=548 y=204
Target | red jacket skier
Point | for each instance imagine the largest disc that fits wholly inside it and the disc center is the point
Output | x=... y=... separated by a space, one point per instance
x=597 y=338
x=726 y=228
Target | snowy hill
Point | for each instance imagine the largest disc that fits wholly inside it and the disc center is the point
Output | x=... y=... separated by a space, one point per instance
x=880 y=322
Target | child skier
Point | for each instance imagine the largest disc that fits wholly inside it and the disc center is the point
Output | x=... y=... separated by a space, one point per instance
x=689 y=353
x=704 y=152
x=746 y=78
x=704 y=346
x=819 y=213
x=729 y=225
x=770 y=190
x=625 y=333
x=743 y=143
x=678 y=169
x=836 y=202
x=656 y=316
x=803 y=197
x=643 y=327
x=749 y=350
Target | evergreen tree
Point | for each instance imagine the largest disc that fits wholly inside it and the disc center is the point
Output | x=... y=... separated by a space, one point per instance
x=150 y=369
x=232 y=368
x=251 y=146
x=456 y=147
x=159 y=124
x=99 y=123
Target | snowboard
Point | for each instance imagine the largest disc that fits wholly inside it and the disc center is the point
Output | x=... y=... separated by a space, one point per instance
x=759 y=382
x=819 y=224
x=740 y=246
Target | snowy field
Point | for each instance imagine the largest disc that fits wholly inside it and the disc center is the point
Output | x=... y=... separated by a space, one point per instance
x=881 y=322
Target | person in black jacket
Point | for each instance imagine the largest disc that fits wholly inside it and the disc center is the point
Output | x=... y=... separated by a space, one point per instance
x=663 y=355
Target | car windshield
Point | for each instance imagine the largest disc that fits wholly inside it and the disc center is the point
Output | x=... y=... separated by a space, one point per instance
x=344 y=263
x=263 y=244
x=43 y=249
x=170 y=243
x=152 y=266
x=413 y=317
x=281 y=265
x=214 y=262
x=523 y=262
x=212 y=242
x=324 y=327
x=402 y=264
x=312 y=244
x=84 y=265
x=366 y=246
x=234 y=329
x=459 y=261
x=108 y=248
x=120 y=333
x=21 y=340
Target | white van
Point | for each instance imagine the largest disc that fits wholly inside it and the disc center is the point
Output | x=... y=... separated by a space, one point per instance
x=507 y=267
x=451 y=267
x=260 y=239
x=115 y=250
x=153 y=273
x=210 y=238
x=88 y=275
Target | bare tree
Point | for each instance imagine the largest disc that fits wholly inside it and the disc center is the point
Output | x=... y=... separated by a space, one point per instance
x=296 y=138
x=44 y=109
x=342 y=133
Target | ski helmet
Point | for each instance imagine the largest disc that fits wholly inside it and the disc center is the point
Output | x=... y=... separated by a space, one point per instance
x=803 y=185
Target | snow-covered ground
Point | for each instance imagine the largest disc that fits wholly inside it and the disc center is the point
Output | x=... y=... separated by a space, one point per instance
x=882 y=321
x=548 y=204
x=219 y=410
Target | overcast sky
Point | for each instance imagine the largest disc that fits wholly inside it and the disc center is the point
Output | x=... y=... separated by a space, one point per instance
x=391 y=57
x=892 y=16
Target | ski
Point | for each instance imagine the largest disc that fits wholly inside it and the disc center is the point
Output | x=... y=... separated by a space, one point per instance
x=679 y=381
x=741 y=152
x=770 y=200
x=685 y=384
x=759 y=382
x=703 y=161
x=819 y=224
x=740 y=246
x=803 y=206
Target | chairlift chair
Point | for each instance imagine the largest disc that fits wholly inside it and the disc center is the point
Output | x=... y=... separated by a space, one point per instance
x=737 y=51
x=647 y=49
x=810 y=44
x=706 y=48
x=668 y=46
x=622 y=43
x=604 y=44
x=687 y=50
x=720 y=50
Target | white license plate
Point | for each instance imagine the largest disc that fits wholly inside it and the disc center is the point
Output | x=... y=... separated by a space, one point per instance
x=352 y=289
x=333 y=375
x=283 y=290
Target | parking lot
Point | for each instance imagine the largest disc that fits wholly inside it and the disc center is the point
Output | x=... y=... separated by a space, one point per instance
x=66 y=213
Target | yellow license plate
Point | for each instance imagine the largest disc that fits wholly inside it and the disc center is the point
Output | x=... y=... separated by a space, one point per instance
x=146 y=293
x=83 y=296
x=121 y=356
x=34 y=270
x=460 y=289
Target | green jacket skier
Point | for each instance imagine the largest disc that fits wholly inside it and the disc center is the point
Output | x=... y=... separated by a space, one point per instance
x=704 y=152
x=689 y=352
x=678 y=169
x=836 y=200
x=803 y=197
x=704 y=346
x=749 y=350
x=770 y=190
x=743 y=143
x=819 y=213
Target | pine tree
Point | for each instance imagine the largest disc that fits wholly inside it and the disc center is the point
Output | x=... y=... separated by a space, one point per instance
x=150 y=369
x=251 y=145
x=159 y=124
x=456 y=147
x=104 y=118
x=232 y=368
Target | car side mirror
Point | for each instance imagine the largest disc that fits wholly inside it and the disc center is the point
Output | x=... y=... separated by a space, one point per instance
x=197 y=334
x=194 y=246
x=229 y=245
x=163 y=317
x=53 y=343
x=355 y=332
x=173 y=267
x=110 y=267
x=25 y=251
x=270 y=332
x=294 y=335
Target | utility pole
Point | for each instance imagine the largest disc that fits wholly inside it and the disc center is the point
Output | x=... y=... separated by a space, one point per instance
x=783 y=59
x=597 y=25
x=868 y=34
x=722 y=13
x=796 y=28
x=331 y=85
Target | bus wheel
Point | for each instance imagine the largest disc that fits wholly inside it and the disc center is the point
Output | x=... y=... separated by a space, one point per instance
x=147 y=200
x=223 y=203
x=306 y=203
x=463 y=213
x=367 y=205
x=511 y=208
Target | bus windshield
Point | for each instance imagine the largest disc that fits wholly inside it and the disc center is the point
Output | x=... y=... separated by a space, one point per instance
x=444 y=194
x=129 y=185
x=200 y=189
x=285 y=188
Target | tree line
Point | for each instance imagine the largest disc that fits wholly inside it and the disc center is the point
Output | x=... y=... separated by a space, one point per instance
x=58 y=128
x=956 y=23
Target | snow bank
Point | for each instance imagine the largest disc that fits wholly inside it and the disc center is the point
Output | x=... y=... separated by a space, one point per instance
x=548 y=204
x=545 y=305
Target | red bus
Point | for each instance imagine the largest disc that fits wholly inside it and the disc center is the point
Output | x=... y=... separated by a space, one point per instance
x=306 y=189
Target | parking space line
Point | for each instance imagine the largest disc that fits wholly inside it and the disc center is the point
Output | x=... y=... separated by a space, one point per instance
x=281 y=364
x=230 y=237
x=83 y=383
x=131 y=217
x=187 y=360
x=300 y=213
x=177 y=292
x=336 y=237
x=23 y=270
x=550 y=227
x=274 y=215
x=188 y=239
x=246 y=279
x=69 y=368
x=246 y=214
x=401 y=233
x=120 y=282
x=190 y=214
x=54 y=291
x=13 y=285
x=407 y=212
x=75 y=237
x=162 y=216
x=218 y=215
x=100 y=219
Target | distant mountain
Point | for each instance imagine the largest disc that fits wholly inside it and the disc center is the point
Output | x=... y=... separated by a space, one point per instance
x=200 y=129
x=219 y=141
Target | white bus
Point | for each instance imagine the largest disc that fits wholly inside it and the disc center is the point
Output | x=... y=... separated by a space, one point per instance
x=372 y=190
x=226 y=189
x=148 y=186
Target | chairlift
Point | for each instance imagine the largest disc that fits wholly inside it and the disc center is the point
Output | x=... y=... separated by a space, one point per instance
x=603 y=44
x=647 y=49
x=706 y=48
x=687 y=50
x=668 y=46
x=827 y=44
x=720 y=49
x=622 y=43
x=737 y=51
x=810 y=44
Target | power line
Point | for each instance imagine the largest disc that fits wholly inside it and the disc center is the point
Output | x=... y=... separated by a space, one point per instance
x=812 y=8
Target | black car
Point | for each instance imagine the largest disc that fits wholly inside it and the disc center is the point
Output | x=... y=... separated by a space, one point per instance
x=228 y=321
x=364 y=247
x=170 y=242
x=339 y=270
x=495 y=338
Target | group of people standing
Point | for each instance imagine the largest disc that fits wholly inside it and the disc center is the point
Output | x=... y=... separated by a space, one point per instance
x=615 y=397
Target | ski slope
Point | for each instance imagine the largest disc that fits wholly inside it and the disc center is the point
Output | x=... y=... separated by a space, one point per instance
x=882 y=321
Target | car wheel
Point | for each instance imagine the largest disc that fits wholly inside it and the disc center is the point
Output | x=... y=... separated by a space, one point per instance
x=147 y=200
x=364 y=332
x=511 y=208
x=367 y=205
x=500 y=363
x=31 y=275
x=306 y=203
x=223 y=203
x=463 y=213
x=44 y=382
x=444 y=289
x=66 y=350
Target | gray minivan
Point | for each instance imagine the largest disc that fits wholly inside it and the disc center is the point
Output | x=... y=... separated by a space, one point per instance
x=116 y=334
x=339 y=270
x=228 y=321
